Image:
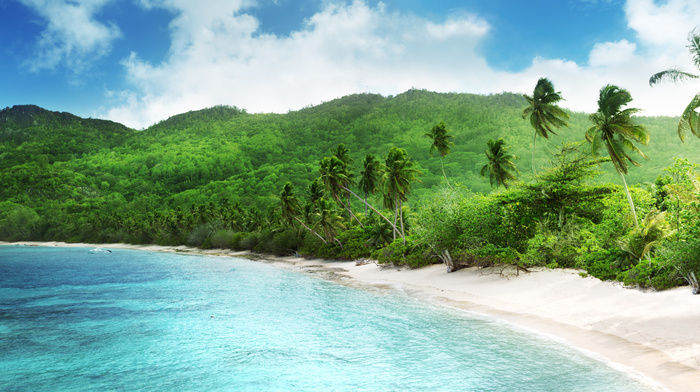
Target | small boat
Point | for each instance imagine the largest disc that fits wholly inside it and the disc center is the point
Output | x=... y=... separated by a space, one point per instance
x=100 y=250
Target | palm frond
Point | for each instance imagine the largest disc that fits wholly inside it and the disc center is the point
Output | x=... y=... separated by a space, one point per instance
x=690 y=119
x=674 y=75
x=694 y=48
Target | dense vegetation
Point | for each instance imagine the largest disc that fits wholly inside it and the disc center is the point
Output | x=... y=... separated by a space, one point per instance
x=398 y=179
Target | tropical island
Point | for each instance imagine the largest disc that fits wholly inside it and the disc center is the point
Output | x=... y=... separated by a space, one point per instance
x=504 y=182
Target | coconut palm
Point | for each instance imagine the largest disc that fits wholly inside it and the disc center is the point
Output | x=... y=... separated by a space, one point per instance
x=337 y=179
x=500 y=166
x=343 y=153
x=289 y=204
x=328 y=219
x=396 y=183
x=543 y=112
x=441 y=143
x=690 y=119
x=369 y=176
x=613 y=128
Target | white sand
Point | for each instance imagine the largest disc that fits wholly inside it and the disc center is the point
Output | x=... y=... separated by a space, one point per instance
x=654 y=334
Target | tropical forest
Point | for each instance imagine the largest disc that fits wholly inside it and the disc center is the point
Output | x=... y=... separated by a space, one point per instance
x=505 y=180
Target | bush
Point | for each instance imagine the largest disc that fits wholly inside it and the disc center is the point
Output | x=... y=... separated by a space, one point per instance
x=601 y=264
x=654 y=276
x=222 y=239
x=249 y=241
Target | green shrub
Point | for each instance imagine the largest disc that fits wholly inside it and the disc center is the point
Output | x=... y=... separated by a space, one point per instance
x=249 y=241
x=654 y=276
x=602 y=264
x=222 y=239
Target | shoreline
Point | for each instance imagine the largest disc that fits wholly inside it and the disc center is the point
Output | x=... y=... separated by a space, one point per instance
x=653 y=335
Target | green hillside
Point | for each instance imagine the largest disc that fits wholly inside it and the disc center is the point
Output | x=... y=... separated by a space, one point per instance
x=213 y=177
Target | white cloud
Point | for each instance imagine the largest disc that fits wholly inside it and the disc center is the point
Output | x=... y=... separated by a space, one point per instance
x=218 y=55
x=72 y=36
x=612 y=54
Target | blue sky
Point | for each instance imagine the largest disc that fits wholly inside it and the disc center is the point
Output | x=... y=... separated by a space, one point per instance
x=141 y=61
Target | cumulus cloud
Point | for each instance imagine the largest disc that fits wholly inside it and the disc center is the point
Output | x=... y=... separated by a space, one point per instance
x=219 y=55
x=72 y=37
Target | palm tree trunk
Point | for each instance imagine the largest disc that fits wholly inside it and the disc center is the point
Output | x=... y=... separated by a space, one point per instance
x=347 y=207
x=629 y=199
x=534 y=141
x=443 y=173
x=403 y=233
x=373 y=209
x=396 y=215
x=311 y=230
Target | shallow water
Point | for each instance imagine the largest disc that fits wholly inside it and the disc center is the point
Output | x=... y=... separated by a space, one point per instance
x=134 y=320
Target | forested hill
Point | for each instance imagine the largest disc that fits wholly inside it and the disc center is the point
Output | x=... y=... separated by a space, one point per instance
x=30 y=133
x=58 y=163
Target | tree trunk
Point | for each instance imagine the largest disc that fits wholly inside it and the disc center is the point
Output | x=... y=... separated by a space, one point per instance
x=347 y=207
x=373 y=209
x=443 y=173
x=311 y=230
x=629 y=199
x=534 y=141
x=396 y=215
x=448 y=260
x=403 y=233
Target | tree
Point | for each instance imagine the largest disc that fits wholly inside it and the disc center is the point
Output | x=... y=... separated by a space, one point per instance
x=613 y=128
x=500 y=166
x=369 y=176
x=337 y=179
x=690 y=119
x=396 y=183
x=289 y=204
x=441 y=143
x=543 y=112
x=328 y=219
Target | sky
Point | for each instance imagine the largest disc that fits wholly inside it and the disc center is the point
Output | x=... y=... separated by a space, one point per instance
x=139 y=62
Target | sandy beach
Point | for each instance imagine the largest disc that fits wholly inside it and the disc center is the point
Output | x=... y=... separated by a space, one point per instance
x=655 y=335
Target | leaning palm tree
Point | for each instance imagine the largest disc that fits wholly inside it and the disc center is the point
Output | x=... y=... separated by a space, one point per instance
x=613 y=128
x=441 y=143
x=500 y=166
x=543 y=112
x=337 y=179
x=329 y=220
x=690 y=119
x=289 y=204
x=369 y=176
x=396 y=183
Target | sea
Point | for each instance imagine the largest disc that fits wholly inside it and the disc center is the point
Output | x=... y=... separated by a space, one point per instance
x=135 y=320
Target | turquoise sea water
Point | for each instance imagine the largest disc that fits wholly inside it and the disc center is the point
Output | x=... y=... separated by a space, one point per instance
x=145 y=321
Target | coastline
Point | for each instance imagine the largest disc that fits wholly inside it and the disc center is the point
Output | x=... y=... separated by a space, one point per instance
x=652 y=334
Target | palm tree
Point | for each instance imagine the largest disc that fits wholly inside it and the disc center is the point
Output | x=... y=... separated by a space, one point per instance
x=543 y=112
x=690 y=119
x=289 y=204
x=343 y=153
x=337 y=179
x=369 y=176
x=613 y=128
x=441 y=142
x=328 y=219
x=396 y=183
x=500 y=166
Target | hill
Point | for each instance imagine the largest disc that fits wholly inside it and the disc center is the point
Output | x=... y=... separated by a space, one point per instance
x=60 y=165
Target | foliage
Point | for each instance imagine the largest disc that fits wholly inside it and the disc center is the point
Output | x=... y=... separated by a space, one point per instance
x=543 y=112
x=690 y=119
x=683 y=257
x=500 y=167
